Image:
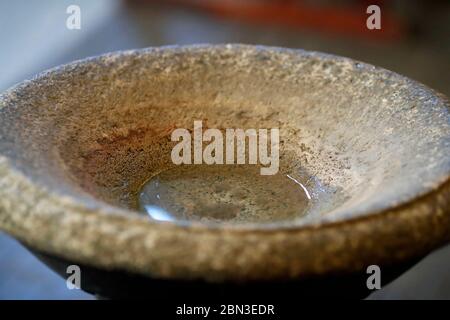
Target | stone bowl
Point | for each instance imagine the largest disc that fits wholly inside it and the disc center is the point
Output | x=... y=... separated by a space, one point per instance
x=78 y=141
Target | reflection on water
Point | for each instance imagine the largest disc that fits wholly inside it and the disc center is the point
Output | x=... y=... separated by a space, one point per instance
x=235 y=194
x=158 y=213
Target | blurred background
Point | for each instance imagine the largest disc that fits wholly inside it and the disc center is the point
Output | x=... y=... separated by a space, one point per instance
x=414 y=40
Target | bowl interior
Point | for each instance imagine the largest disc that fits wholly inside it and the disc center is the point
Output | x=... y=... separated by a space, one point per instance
x=360 y=138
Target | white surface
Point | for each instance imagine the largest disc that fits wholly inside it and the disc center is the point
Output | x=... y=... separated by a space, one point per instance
x=33 y=33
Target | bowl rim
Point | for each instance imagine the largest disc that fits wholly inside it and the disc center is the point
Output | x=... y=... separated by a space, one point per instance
x=415 y=213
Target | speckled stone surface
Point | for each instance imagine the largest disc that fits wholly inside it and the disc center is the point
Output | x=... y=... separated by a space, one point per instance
x=78 y=141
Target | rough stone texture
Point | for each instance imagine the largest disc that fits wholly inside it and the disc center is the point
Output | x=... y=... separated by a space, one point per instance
x=77 y=142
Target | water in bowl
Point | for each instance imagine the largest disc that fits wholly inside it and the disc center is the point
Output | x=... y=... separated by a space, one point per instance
x=223 y=193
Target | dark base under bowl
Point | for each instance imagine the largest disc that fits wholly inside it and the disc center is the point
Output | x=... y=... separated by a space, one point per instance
x=125 y=285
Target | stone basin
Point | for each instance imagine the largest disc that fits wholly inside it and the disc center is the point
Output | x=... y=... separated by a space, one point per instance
x=77 y=142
